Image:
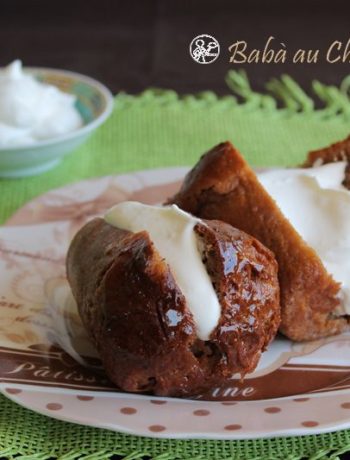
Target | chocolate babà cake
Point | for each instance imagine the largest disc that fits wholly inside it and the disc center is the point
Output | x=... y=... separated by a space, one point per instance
x=132 y=306
x=339 y=151
x=223 y=186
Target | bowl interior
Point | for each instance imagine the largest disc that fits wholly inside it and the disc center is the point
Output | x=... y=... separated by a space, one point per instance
x=90 y=103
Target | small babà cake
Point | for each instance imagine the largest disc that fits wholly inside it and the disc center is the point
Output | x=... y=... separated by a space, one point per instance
x=300 y=215
x=174 y=304
x=338 y=152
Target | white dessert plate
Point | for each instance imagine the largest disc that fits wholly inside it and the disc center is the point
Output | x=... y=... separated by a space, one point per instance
x=47 y=363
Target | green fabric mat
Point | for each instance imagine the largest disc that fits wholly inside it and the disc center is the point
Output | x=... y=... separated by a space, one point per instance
x=157 y=129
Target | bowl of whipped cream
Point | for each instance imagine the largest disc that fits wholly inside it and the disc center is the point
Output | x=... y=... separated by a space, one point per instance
x=44 y=115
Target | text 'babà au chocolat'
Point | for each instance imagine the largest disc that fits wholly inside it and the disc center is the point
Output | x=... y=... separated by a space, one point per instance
x=274 y=52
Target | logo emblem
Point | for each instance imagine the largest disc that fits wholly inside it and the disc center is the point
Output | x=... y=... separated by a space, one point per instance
x=204 y=49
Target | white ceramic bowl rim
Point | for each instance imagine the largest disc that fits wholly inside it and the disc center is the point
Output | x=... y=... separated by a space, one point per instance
x=90 y=126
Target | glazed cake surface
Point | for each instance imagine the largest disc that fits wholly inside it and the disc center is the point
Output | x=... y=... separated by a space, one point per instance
x=138 y=317
x=223 y=186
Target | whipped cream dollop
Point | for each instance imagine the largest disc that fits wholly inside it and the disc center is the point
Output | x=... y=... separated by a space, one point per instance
x=31 y=111
x=318 y=206
x=172 y=232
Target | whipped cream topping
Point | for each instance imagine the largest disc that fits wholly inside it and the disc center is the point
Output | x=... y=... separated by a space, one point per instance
x=172 y=232
x=31 y=111
x=318 y=206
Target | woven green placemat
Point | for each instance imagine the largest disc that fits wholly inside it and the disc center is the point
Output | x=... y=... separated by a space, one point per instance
x=155 y=129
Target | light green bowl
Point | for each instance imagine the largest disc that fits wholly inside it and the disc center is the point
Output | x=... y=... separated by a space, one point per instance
x=94 y=103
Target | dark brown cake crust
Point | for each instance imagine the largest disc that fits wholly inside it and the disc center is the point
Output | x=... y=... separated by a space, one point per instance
x=138 y=318
x=340 y=151
x=244 y=275
x=223 y=186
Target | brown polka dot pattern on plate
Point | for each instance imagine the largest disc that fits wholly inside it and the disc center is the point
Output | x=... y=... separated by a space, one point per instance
x=310 y=423
x=54 y=406
x=228 y=403
x=233 y=427
x=301 y=399
x=13 y=391
x=156 y=401
x=346 y=405
x=128 y=410
x=85 y=398
x=156 y=428
x=272 y=410
x=201 y=412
